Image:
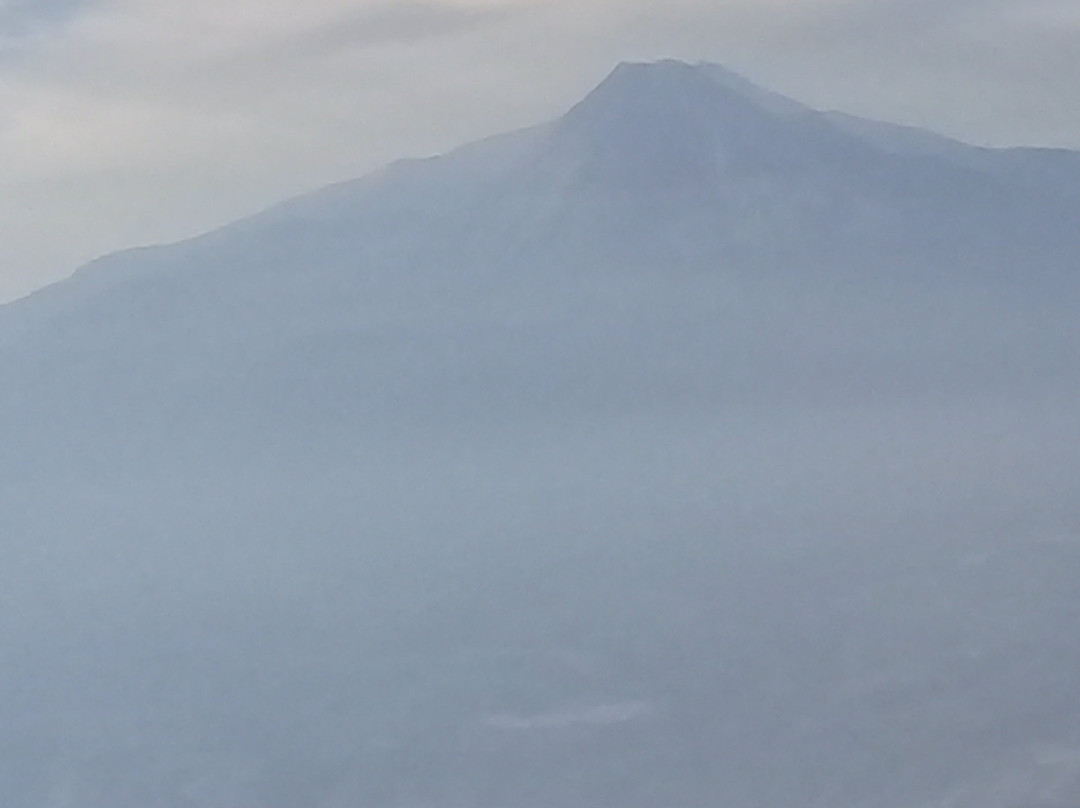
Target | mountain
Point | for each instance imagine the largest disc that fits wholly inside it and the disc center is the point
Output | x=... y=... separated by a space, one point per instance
x=697 y=447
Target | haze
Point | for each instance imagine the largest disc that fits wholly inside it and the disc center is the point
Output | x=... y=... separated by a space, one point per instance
x=691 y=448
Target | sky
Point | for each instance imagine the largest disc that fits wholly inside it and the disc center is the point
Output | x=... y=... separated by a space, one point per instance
x=127 y=122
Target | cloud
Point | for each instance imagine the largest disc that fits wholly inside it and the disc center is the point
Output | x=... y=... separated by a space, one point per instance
x=22 y=16
x=393 y=24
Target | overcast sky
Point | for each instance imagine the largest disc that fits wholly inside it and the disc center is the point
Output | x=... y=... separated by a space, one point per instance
x=133 y=121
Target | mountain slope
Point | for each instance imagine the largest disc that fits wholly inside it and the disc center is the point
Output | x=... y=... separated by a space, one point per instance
x=694 y=448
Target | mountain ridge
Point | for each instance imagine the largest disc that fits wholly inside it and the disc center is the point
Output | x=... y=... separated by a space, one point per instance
x=889 y=139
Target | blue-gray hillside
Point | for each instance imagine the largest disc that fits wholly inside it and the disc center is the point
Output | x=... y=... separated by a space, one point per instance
x=695 y=448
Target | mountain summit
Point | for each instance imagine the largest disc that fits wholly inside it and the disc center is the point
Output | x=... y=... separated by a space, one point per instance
x=670 y=123
x=683 y=95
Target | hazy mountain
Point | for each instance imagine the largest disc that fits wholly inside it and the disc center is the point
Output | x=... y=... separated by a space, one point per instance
x=694 y=448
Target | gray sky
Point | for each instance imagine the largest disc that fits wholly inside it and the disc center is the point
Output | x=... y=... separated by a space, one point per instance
x=132 y=121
